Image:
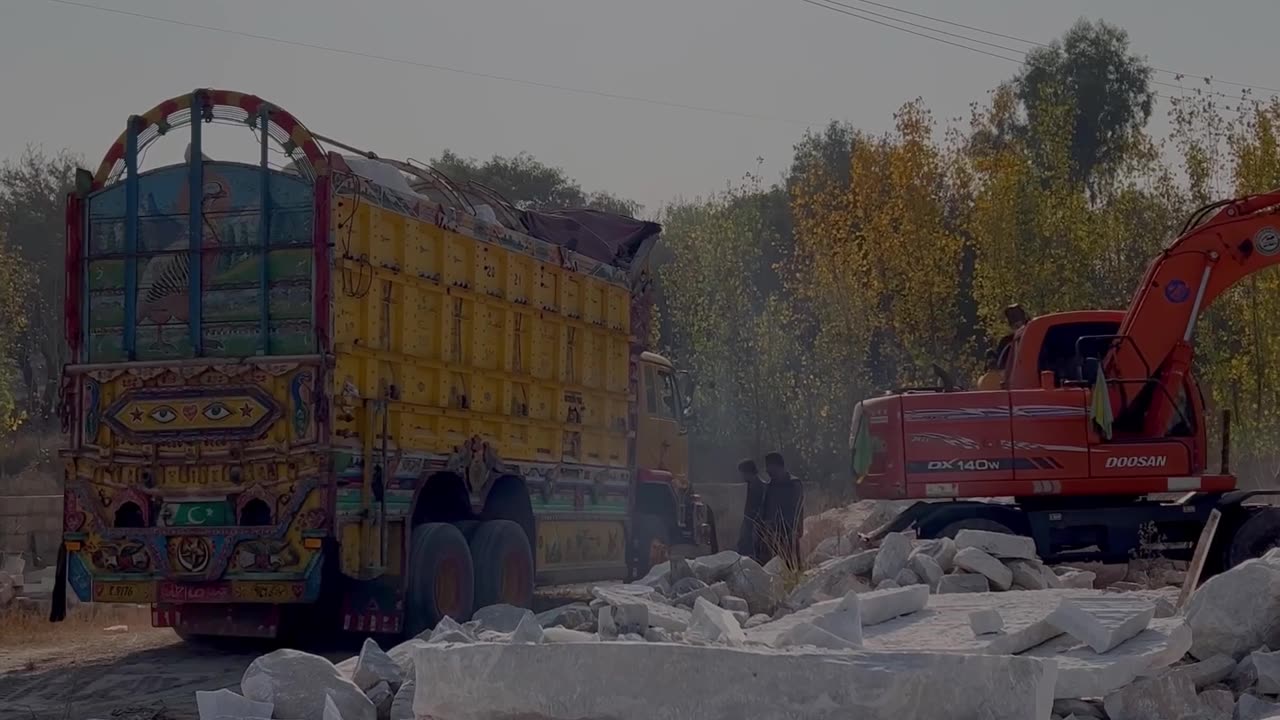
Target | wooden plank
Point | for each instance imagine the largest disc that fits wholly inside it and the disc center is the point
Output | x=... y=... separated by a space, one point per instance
x=1198 y=560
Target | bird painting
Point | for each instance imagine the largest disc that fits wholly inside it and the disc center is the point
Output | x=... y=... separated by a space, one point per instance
x=165 y=282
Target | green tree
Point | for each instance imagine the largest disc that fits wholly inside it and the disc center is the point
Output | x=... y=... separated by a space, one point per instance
x=530 y=184
x=32 y=217
x=1108 y=88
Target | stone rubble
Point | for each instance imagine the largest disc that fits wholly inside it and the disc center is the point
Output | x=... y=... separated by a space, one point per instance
x=1006 y=631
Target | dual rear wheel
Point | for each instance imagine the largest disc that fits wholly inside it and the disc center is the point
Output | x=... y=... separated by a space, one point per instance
x=457 y=568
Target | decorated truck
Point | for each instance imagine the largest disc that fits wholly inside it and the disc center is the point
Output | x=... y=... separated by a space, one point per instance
x=331 y=390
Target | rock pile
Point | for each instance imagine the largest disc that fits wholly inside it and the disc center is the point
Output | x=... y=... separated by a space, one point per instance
x=972 y=627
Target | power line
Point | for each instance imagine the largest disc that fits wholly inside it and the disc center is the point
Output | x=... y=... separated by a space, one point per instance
x=1036 y=43
x=844 y=9
x=428 y=66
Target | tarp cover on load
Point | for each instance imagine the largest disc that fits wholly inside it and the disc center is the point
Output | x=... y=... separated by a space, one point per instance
x=599 y=235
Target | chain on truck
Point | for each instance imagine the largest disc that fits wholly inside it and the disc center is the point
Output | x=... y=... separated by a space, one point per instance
x=351 y=393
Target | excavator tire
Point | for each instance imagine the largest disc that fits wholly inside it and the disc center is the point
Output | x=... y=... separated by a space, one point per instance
x=1259 y=533
x=503 y=562
x=441 y=577
x=978 y=523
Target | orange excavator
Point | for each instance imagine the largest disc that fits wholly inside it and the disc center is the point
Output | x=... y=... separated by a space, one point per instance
x=1096 y=422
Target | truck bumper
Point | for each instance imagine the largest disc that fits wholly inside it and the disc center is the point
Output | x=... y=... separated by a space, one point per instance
x=249 y=621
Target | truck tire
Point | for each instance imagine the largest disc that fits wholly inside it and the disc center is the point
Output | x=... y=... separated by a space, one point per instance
x=503 y=564
x=1256 y=535
x=441 y=577
x=650 y=544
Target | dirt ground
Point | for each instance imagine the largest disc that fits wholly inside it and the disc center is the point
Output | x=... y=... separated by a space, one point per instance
x=80 y=671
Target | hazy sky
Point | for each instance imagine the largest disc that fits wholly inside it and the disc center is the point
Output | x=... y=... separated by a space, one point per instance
x=70 y=76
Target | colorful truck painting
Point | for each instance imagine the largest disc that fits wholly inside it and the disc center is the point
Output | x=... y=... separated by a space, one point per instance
x=353 y=388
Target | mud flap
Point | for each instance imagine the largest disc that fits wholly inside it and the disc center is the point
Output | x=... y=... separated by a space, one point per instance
x=58 y=611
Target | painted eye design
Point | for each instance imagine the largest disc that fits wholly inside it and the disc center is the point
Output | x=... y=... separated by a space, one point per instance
x=216 y=411
x=164 y=414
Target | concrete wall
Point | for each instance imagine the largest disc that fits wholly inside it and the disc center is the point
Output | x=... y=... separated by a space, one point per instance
x=27 y=520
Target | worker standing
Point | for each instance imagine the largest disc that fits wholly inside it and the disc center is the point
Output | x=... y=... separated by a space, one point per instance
x=752 y=510
x=784 y=511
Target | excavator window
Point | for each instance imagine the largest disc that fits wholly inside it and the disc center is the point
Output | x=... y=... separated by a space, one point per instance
x=1059 y=353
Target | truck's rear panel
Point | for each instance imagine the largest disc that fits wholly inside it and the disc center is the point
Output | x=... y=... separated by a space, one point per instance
x=196 y=470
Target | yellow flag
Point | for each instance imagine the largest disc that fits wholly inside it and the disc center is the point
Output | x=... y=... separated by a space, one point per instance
x=1100 y=406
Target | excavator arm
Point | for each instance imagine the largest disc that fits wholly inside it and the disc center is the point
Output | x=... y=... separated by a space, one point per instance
x=1230 y=241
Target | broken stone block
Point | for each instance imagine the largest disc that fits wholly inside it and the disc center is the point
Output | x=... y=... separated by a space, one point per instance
x=1126 y=586
x=1159 y=698
x=925 y=568
x=889 y=584
x=214 y=704
x=1051 y=579
x=654 y=634
x=995 y=544
x=1237 y=611
x=775 y=566
x=606 y=628
x=1102 y=623
x=713 y=624
x=978 y=561
x=1218 y=704
x=565 y=635
x=964 y=583
x=688 y=599
x=880 y=606
x=750 y=582
x=660 y=614
x=985 y=622
x=895 y=548
x=382 y=696
x=402 y=704
x=733 y=604
x=499 y=618
x=658 y=574
x=449 y=631
x=808 y=634
x=755 y=620
x=575 y=616
x=721 y=590
x=402 y=655
x=832 y=579
x=681 y=569
x=1079 y=708
x=1267 y=665
x=942 y=550
x=547 y=682
x=631 y=637
x=1082 y=579
x=845 y=621
x=374 y=666
x=1208 y=672
x=1027 y=575
x=712 y=568
x=529 y=631
x=1245 y=675
x=1252 y=707
x=296 y=684
x=331 y=711
x=906 y=577
x=687 y=585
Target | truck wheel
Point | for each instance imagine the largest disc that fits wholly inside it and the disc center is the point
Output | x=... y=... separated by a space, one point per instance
x=503 y=562
x=1258 y=534
x=441 y=577
x=650 y=544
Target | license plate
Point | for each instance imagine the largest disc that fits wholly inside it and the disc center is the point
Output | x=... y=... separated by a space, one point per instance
x=267 y=591
x=124 y=592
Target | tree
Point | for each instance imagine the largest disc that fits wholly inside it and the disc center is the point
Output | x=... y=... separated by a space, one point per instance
x=32 y=196
x=1108 y=88
x=529 y=184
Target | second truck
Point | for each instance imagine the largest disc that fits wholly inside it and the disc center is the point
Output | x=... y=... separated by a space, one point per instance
x=349 y=393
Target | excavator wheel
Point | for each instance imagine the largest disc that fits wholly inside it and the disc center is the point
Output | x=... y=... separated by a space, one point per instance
x=441 y=577
x=503 y=563
x=1259 y=533
x=977 y=523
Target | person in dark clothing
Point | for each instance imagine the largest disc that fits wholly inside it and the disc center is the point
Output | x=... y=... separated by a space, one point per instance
x=752 y=510
x=783 y=510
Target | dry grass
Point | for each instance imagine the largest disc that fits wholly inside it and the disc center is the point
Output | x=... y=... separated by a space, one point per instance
x=792 y=554
x=27 y=624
